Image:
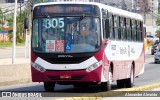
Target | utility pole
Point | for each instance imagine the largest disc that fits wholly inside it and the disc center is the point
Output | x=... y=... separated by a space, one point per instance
x=27 y=37
x=2 y=22
x=20 y=8
x=144 y=11
x=28 y=31
x=124 y=6
x=132 y=5
x=135 y=6
x=20 y=15
x=152 y=10
x=14 y=34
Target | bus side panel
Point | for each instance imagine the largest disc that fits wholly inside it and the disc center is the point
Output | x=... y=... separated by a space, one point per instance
x=122 y=54
x=33 y=56
x=105 y=63
x=139 y=63
x=105 y=69
x=33 y=70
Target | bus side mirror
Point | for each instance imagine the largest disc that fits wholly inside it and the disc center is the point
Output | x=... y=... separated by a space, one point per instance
x=107 y=28
x=26 y=23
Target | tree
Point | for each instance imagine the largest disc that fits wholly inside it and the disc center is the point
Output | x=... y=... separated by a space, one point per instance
x=2 y=21
x=158 y=22
x=19 y=26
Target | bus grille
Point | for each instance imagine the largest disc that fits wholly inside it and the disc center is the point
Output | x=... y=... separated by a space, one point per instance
x=79 y=77
x=66 y=60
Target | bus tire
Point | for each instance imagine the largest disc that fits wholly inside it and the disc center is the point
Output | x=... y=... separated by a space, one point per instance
x=77 y=85
x=49 y=86
x=152 y=53
x=106 y=86
x=120 y=83
x=130 y=81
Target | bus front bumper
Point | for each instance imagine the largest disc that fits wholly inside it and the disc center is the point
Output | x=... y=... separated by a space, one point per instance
x=67 y=75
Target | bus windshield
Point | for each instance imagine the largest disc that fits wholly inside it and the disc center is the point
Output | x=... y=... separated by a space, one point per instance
x=66 y=34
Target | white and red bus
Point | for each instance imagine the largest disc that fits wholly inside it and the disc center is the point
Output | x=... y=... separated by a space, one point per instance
x=85 y=43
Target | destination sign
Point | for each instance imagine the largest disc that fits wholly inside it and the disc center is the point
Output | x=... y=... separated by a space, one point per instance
x=66 y=8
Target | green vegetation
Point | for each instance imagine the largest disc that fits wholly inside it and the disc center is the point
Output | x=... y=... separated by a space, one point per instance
x=9 y=44
x=158 y=22
x=2 y=19
x=20 y=33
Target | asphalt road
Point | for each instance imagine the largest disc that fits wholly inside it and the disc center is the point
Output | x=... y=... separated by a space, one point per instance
x=150 y=76
x=151 y=73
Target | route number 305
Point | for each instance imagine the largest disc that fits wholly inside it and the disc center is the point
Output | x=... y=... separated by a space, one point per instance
x=54 y=23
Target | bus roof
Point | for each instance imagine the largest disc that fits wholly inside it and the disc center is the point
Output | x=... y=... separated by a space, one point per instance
x=113 y=10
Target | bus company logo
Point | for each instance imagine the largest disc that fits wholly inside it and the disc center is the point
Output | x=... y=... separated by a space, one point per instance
x=6 y=94
x=128 y=50
x=123 y=50
x=65 y=56
x=113 y=47
x=132 y=50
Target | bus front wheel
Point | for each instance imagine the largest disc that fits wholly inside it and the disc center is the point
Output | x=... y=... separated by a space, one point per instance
x=106 y=86
x=120 y=83
x=49 y=86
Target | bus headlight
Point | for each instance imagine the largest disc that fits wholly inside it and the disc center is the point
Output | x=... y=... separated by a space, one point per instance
x=38 y=67
x=94 y=66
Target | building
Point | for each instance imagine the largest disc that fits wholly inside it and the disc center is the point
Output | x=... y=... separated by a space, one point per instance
x=152 y=17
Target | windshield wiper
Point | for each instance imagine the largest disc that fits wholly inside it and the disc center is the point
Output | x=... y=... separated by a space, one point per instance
x=46 y=15
x=81 y=18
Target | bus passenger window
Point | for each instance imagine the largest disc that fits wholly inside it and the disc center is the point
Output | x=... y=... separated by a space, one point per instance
x=139 y=31
x=128 y=25
x=119 y=29
x=111 y=26
x=122 y=27
x=116 y=28
x=119 y=34
x=133 y=30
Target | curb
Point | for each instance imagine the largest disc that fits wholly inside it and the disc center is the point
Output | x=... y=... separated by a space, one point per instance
x=20 y=81
x=113 y=93
x=14 y=73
